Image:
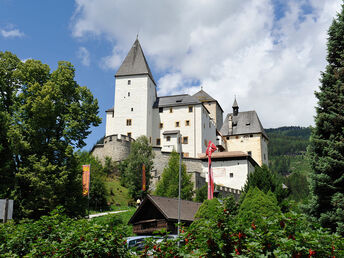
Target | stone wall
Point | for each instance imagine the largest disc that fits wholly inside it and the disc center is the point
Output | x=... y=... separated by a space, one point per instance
x=115 y=147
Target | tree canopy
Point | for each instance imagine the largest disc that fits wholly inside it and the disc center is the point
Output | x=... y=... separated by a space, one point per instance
x=44 y=115
x=131 y=169
x=327 y=138
x=169 y=183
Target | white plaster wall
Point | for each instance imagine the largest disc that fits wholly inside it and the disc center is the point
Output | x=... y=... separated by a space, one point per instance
x=180 y=114
x=222 y=170
x=140 y=100
x=264 y=148
x=208 y=130
x=110 y=124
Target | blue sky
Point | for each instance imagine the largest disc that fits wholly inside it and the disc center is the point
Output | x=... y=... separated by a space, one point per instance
x=267 y=53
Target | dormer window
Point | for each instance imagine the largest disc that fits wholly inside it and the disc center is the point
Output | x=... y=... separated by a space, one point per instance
x=129 y=82
x=161 y=109
x=190 y=109
x=178 y=100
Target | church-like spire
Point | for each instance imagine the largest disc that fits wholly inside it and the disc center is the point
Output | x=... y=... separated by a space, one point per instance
x=135 y=63
x=235 y=107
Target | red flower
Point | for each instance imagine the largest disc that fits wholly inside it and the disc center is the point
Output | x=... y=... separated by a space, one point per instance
x=186 y=240
x=154 y=247
x=253 y=226
x=291 y=237
x=311 y=253
x=237 y=251
x=240 y=235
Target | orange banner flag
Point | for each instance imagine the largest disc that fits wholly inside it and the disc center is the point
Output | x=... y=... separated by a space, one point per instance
x=143 y=177
x=86 y=171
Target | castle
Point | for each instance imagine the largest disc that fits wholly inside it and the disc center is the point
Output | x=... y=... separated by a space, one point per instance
x=197 y=119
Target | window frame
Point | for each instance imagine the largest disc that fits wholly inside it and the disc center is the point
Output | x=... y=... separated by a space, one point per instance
x=187 y=122
x=177 y=124
x=185 y=140
x=129 y=122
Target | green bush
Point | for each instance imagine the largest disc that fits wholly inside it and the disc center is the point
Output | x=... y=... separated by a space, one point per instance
x=57 y=235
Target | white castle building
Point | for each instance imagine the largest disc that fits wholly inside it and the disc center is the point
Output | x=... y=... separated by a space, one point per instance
x=198 y=119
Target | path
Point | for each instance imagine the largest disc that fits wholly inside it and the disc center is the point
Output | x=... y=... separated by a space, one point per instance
x=105 y=213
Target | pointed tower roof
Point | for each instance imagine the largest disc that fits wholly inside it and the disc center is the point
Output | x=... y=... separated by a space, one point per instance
x=135 y=63
x=235 y=104
x=203 y=96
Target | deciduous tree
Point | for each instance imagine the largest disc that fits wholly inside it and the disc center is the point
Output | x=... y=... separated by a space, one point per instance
x=169 y=183
x=46 y=115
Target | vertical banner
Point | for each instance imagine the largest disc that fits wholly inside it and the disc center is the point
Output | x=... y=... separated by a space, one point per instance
x=210 y=149
x=86 y=169
x=143 y=177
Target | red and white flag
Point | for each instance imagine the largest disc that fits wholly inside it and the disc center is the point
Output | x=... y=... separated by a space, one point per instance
x=210 y=149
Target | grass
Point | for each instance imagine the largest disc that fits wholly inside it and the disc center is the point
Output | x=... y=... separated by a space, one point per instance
x=118 y=195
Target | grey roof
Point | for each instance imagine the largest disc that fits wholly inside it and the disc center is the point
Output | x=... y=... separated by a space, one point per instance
x=176 y=100
x=203 y=96
x=171 y=132
x=235 y=104
x=169 y=208
x=135 y=63
x=244 y=123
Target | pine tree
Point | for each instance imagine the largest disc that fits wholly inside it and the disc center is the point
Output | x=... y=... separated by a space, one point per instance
x=327 y=139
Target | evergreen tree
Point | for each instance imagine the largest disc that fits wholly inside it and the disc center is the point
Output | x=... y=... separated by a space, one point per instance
x=169 y=184
x=327 y=139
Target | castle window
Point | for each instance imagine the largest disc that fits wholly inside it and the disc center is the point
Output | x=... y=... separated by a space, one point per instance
x=249 y=153
x=177 y=124
x=129 y=82
x=132 y=109
x=251 y=135
x=190 y=109
x=158 y=141
x=230 y=174
x=161 y=125
x=168 y=138
x=128 y=94
x=161 y=109
x=129 y=135
x=237 y=137
x=171 y=110
x=227 y=137
x=128 y=122
x=185 y=140
x=187 y=122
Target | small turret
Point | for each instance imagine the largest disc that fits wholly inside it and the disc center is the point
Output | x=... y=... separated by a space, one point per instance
x=235 y=108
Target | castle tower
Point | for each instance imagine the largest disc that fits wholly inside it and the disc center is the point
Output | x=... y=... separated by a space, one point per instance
x=135 y=94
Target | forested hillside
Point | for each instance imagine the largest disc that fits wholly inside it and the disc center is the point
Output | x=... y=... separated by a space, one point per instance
x=287 y=157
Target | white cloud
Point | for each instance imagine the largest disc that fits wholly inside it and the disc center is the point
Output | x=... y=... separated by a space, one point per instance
x=231 y=47
x=84 y=56
x=15 y=33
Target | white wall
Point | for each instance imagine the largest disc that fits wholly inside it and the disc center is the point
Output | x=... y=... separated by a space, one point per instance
x=133 y=102
x=223 y=169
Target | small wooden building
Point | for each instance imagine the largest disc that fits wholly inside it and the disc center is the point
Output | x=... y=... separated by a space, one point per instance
x=157 y=213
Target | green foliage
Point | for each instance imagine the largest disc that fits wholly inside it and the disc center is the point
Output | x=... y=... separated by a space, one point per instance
x=169 y=183
x=298 y=186
x=327 y=140
x=117 y=194
x=278 y=235
x=57 y=235
x=131 y=169
x=202 y=193
x=209 y=209
x=257 y=206
x=44 y=115
x=265 y=180
x=288 y=140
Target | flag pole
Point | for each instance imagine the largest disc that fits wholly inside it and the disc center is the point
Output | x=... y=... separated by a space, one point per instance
x=179 y=184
